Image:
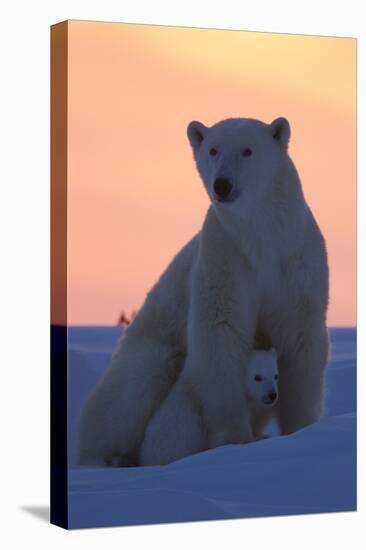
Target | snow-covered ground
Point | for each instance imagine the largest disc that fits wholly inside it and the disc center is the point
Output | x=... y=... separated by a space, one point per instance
x=311 y=471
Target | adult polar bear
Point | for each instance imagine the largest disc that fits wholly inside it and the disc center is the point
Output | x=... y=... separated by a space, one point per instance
x=258 y=268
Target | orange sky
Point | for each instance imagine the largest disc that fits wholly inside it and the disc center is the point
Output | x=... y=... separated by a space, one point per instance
x=134 y=197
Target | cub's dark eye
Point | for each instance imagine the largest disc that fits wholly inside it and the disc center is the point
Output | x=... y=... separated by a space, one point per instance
x=213 y=152
x=247 y=152
x=276 y=376
x=258 y=378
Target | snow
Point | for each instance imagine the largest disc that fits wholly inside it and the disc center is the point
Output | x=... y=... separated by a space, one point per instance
x=310 y=471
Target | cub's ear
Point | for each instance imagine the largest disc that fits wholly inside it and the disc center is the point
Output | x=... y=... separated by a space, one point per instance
x=280 y=130
x=196 y=132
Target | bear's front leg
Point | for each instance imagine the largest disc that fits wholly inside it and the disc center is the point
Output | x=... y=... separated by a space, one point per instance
x=219 y=340
x=214 y=374
x=301 y=380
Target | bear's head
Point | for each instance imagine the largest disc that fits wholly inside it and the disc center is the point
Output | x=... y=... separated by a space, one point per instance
x=262 y=377
x=239 y=160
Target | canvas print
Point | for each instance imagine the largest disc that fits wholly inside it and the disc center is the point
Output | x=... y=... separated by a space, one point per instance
x=203 y=338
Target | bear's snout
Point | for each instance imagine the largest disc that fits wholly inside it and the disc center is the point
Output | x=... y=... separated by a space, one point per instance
x=272 y=396
x=222 y=188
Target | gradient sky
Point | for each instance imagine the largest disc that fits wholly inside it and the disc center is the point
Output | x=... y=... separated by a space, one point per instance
x=134 y=197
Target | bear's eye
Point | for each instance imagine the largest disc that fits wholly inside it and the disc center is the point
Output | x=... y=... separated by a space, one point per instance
x=247 y=152
x=258 y=378
x=276 y=376
x=213 y=151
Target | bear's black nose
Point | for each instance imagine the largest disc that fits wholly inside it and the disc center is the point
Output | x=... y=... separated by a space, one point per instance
x=222 y=188
x=272 y=396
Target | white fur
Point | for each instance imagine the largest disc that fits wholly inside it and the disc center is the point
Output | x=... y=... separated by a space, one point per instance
x=177 y=428
x=257 y=269
x=261 y=388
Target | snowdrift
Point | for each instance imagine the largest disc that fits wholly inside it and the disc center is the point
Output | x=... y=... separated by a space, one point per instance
x=311 y=471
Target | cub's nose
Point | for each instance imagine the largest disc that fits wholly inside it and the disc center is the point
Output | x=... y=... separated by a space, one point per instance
x=272 y=396
x=222 y=188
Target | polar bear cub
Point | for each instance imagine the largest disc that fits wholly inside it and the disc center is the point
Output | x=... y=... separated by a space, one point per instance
x=261 y=389
x=177 y=429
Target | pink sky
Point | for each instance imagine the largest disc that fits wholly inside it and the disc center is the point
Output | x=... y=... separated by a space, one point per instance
x=134 y=197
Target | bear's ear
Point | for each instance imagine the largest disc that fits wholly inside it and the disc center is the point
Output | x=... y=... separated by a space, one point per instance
x=196 y=132
x=280 y=130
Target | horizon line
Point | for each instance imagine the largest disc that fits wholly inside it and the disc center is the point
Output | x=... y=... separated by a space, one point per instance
x=115 y=325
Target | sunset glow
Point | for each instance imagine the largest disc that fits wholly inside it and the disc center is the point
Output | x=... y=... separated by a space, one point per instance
x=134 y=196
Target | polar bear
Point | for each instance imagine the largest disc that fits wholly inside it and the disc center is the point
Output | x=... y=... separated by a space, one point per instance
x=261 y=389
x=177 y=429
x=257 y=267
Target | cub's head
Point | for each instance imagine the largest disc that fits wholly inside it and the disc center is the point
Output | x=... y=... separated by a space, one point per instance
x=262 y=377
x=238 y=159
